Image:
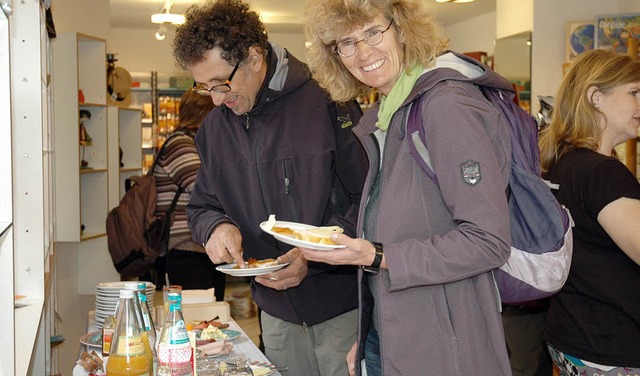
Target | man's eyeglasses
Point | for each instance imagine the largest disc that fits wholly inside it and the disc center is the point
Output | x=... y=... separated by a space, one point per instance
x=372 y=38
x=200 y=89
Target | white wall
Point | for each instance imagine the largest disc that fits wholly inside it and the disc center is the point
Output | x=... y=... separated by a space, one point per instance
x=475 y=34
x=516 y=16
x=550 y=18
x=139 y=52
x=83 y=16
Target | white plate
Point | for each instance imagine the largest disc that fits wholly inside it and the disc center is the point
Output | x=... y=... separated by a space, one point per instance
x=248 y=272
x=297 y=242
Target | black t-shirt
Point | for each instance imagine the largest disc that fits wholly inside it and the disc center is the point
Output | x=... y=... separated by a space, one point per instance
x=596 y=316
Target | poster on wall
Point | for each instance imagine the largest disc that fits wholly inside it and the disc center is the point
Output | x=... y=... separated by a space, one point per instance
x=580 y=37
x=613 y=32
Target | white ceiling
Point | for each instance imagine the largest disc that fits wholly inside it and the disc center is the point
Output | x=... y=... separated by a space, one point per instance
x=278 y=15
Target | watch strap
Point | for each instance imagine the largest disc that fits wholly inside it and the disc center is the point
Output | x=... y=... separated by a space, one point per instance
x=377 y=259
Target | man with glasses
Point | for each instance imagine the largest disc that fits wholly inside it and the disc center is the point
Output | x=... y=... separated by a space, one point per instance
x=275 y=144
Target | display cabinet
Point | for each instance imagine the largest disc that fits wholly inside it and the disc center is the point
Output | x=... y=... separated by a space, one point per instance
x=80 y=136
x=26 y=185
x=83 y=159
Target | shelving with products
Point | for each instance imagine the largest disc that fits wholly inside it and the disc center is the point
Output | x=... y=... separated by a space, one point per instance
x=160 y=100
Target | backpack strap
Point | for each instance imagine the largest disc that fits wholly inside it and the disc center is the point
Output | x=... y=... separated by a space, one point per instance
x=417 y=140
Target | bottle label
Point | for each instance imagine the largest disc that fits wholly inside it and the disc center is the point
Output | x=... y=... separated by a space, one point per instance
x=174 y=354
x=106 y=341
x=146 y=319
x=130 y=345
x=178 y=334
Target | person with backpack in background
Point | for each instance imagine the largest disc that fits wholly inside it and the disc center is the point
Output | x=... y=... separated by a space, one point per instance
x=186 y=262
x=275 y=144
x=426 y=248
x=593 y=325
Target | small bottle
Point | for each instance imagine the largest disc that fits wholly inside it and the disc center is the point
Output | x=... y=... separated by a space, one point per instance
x=174 y=350
x=149 y=344
x=128 y=353
x=148 y=320
x=108 y=326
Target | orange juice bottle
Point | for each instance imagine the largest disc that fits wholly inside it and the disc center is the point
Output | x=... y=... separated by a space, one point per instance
x=128 y=354
x=119 y=365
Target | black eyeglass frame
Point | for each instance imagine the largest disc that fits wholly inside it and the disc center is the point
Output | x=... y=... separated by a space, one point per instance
x=220 y=88
x=336 y=46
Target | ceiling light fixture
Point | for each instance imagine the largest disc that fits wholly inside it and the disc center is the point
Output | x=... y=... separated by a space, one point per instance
x=454 y=1
x=162 y=32
x=166 y=16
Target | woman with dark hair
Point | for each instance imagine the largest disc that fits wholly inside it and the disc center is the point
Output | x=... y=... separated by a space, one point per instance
x=186 y=263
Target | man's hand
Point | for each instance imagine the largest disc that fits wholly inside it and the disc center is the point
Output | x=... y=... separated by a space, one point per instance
x=351 y=359
x=289 y=276
x=225 y=245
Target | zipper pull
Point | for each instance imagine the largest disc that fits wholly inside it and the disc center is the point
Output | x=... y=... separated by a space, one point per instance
x=286 y=186
x=247 y=122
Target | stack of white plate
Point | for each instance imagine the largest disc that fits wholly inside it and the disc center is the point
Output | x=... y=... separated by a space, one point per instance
x=107 y=295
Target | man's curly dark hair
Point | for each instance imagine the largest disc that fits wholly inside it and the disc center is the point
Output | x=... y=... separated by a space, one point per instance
x=227 y=24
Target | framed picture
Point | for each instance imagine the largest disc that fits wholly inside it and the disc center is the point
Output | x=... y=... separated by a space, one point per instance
x=613 y=32
x=580 y=37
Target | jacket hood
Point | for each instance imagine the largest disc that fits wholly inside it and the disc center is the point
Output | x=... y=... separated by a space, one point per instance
x=282 y=78
x=448 y=66
x=454 y=66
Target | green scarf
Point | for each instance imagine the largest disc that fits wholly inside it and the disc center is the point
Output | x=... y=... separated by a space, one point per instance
x=390 y=104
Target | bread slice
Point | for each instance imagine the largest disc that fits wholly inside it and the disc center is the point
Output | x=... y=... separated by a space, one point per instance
x=321 y=235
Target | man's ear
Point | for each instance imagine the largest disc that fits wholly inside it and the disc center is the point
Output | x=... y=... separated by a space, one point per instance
x=255 y=58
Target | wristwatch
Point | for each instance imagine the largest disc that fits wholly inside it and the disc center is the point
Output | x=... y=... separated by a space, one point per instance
x=377 y=259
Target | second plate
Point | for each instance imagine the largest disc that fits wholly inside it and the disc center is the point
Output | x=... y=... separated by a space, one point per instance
x=248 y=272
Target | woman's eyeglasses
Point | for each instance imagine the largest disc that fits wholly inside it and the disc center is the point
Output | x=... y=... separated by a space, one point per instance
x=200 y=89
x=372 y=38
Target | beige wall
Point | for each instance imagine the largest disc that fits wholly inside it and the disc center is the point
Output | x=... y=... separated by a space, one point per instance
x=474 y=34
x=83 y=16
x=550 y=18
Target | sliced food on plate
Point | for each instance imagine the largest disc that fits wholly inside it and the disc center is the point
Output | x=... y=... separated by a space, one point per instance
x=303 y=235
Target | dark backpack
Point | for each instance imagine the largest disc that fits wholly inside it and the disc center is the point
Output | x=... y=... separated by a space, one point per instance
x=135 y=236
x=541 y=237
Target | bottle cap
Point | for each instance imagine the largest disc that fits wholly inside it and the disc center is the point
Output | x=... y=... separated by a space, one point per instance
x=131 y=286
x=126 y=294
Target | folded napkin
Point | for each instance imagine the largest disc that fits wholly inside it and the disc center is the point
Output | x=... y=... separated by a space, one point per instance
x=198 y=296
x=215 y=348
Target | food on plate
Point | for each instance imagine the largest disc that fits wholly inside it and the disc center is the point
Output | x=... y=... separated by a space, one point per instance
x=211 y=332
x=320 y=235
x=254 y=263
x=195 y=325
x=90 y=362
x=215 y=348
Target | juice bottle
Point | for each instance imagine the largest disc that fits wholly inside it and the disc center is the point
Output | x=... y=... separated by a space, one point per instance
x=144 y=332
x=128 y=354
